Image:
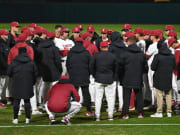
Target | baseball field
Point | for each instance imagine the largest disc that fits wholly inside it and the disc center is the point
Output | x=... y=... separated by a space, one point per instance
x=83 y=125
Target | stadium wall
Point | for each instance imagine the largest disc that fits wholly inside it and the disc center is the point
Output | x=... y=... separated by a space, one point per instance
x=136 y=13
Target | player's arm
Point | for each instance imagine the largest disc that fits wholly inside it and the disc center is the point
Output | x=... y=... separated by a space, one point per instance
x=75 y=94
x=150 y=52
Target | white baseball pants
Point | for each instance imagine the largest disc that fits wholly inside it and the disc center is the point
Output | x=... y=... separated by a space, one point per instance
x=4 y=80
x=110 y=90
x=73 y=110
x=92 y=88
x=120 y=94
x=150 y=78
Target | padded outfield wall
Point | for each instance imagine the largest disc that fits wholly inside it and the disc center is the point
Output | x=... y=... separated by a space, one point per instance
x=142 y=13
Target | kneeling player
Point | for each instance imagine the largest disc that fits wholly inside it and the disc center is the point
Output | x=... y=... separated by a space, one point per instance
x=62 y=98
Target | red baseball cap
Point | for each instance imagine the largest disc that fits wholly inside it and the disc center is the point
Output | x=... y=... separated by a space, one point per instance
x=44 y=31
x=90 y=28
x=155 y=33
x=28 y=32
x=51 y=35
x=104 y=44
x=75 y=30
x=24 y=28
x=80 y=26
x=33 y=25
x=14 y=23
x=172 y=33
x=160 y=31
x=129 y=34
x=3 y=32
x=22 y=37
x=38 y=28
x=104 y=30
x=86 y=34
x=64 y=29
x=147 y=32
x=171 y=41
x=138 y=31
x=169 y=27
x=78 y=39
x=127 y=26
x=64 y=77
x=36 y=31
x=110 y=31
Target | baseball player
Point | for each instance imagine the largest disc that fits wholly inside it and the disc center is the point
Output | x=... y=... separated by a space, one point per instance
x=32 y=26
x=151 y=52
x=75 y=33
x=4 y=51
x=57 y=30
x=110 y=31
x=62 y=98
x=147 y=38
x=80 y=26
x=104 y=35
x=92 y=50
x=13 y=36
x=117 y=48
x=95 y=36
x=140 y=37
x=104 y=67
x=12 y=39
x=64 y=44
x=174 y=43
x=168 y=28
x=126 y=27
x=134 y=64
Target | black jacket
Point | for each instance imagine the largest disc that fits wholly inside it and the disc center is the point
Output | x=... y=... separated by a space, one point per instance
x=163 y=64
x=37 y=41
x=4 y=51
x=96 y=39
x=11 y=42
x=104 y=67
x=72 y=38
x=23 y=72
x=148 y=43
x=134 y=64
x=48 y=61
x=28 y=42
x=118 y=48
x=77 y=64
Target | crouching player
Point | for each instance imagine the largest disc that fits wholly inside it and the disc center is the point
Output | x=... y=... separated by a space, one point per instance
x=62 y=98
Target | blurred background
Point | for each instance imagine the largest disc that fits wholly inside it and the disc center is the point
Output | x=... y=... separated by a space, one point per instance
x=91 y=11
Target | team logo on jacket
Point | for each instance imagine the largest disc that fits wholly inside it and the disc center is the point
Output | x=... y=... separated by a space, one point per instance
x=67 y=45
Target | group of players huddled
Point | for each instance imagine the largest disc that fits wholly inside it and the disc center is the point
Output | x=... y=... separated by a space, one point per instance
x=59 y=73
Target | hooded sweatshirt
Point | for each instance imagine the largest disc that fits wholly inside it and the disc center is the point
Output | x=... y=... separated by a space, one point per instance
x=14 y=51
x=49 y=61
x=77 y=64
x=163 y=64
x=134 y=64
x=117 y=48
x=23 y=72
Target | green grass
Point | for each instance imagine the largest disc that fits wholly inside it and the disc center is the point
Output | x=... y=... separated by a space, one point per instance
x=6 y=116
